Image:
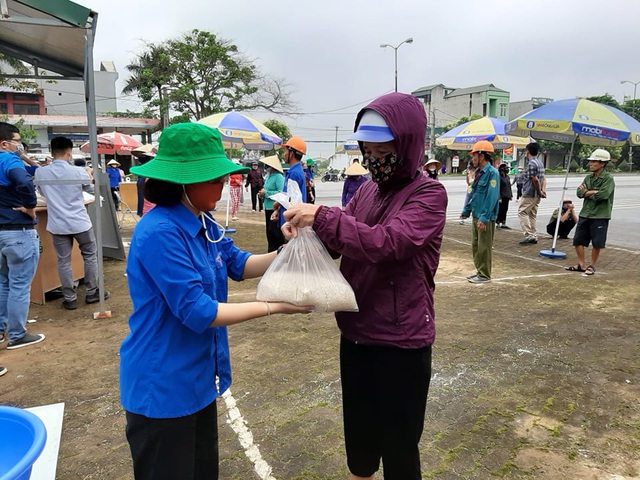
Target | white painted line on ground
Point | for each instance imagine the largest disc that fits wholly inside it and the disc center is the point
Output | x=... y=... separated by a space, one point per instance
x=239 y=425
x=464 y=279
x=626 y=250
x=537 y=260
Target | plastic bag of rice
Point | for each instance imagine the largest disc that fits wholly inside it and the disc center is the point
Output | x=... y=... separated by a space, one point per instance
x=305 y=274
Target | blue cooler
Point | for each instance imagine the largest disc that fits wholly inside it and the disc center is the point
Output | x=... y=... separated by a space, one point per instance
x=22 y=439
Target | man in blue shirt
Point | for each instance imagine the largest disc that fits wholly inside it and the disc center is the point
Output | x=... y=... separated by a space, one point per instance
x=68 y=220
x=115 y=177
x=294 y=150
x=19 y=241
x=485 y=201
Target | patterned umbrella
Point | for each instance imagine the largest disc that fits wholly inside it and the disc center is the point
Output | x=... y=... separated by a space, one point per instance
x=241 y=130
x=565 y=120
x=113 y=143
x=491 y=129
x=350 y=147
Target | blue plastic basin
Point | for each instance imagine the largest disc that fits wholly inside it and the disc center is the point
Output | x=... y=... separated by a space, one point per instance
x=22 y=439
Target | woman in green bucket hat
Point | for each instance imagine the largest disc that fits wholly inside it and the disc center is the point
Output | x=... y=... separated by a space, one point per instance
x=177 y=270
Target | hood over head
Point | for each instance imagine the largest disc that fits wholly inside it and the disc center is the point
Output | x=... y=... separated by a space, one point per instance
x=407 y=120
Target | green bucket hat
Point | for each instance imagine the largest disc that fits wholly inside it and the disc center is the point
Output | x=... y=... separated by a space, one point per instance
x=189 y=153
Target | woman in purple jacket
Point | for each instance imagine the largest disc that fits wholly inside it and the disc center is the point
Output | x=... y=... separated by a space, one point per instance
x=389 y=237
x=355 y=177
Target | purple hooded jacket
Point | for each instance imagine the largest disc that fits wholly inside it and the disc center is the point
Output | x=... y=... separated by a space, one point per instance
x=389 y=237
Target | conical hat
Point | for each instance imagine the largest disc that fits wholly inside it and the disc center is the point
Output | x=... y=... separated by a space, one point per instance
x=355 y=169
x=273 y=161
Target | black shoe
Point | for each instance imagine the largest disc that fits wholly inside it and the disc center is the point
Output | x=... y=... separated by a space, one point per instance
x=25 y=341
x=70 y=304
x=3 y=370
x=528 y=240
x=3 y=336
x=95 y=297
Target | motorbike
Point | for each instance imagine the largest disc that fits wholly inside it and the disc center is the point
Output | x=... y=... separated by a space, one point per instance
x=333 y=176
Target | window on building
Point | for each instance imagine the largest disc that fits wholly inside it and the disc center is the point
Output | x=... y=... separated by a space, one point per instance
x=4 y=108
x=24 y=97
x=3 y=96
x=26 y=109
x=503 y=109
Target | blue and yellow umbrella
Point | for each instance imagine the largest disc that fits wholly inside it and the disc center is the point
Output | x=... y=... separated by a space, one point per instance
x=240 y=130
x=565 y=120
x=491 y=129
x=350 y=147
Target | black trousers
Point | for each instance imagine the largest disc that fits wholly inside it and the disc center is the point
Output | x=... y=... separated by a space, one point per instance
x=254 y=198
x=184 y=448
x=563 y=230
x=115 y=196
x=275 y=238
x=502 y=210
x=384 y=398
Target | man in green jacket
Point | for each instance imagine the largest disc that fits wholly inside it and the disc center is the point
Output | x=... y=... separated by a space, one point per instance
x=597 y=191
x=485 y=198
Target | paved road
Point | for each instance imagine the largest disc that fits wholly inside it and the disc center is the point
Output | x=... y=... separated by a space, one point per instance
x=624 y=229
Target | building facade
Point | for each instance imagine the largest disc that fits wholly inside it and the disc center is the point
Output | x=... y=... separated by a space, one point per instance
x=59 y=108
x=446 y=105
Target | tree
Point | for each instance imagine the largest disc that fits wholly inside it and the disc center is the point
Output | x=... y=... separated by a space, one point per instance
x=281 y=130
x=200 y=74
x=27 y=134
x=150 y=77
x=15 y=67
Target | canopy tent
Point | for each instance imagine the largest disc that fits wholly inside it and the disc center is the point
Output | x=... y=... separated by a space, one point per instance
x=58 y=36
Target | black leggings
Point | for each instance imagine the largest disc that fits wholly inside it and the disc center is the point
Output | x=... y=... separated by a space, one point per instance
x=384 y=398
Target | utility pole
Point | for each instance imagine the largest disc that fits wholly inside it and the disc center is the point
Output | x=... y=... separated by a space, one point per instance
x=432 y=138
x=633 y=114
x=335 y=150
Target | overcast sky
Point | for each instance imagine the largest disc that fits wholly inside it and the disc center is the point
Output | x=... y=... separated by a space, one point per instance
x=330 y=50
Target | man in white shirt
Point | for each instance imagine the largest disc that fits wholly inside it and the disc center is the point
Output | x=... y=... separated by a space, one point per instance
x=68 y=219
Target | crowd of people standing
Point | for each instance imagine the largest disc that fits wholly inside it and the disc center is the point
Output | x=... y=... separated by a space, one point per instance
x=387 y=232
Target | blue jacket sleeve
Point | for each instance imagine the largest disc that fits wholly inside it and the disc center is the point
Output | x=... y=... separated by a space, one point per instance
x=23 y=183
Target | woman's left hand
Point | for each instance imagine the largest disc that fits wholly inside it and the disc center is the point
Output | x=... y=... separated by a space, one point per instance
x=298 y=216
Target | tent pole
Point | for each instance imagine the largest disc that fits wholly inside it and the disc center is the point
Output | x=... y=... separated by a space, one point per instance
x=90 y=98
x=564 y=190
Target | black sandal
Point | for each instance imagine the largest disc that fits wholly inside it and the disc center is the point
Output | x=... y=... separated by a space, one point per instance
x=575 y=268
x=589 y=271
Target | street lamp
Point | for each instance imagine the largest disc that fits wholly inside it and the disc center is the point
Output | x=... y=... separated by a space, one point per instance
x=633 y=113
x=395 y=54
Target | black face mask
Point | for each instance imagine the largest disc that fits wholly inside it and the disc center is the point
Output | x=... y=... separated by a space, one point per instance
x=382 y=169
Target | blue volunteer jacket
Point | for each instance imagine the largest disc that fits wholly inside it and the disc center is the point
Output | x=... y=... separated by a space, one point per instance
x=16 y=190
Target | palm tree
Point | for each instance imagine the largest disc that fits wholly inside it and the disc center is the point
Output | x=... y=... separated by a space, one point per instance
x=150 y=76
